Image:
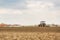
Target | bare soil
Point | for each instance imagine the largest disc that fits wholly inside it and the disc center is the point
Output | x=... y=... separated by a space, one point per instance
x=30 y=33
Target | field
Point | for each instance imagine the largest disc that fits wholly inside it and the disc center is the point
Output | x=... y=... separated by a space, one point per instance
x=30 y=33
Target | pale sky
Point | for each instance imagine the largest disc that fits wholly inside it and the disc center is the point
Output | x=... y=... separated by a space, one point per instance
x=29 y=12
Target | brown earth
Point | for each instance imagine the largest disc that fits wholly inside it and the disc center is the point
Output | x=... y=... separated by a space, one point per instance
x=30 y=33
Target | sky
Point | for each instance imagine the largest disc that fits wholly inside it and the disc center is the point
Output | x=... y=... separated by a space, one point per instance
x=29 y=12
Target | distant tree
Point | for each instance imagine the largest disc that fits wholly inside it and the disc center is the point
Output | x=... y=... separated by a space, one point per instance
x=3 y=25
